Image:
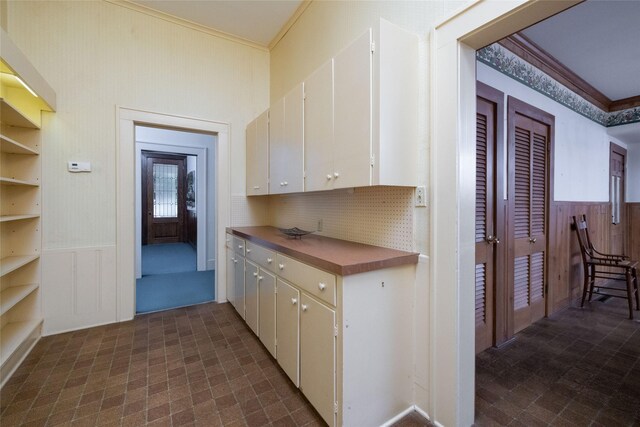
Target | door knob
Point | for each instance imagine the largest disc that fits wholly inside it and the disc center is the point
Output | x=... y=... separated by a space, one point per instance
x=492 y=240
x=532 y=239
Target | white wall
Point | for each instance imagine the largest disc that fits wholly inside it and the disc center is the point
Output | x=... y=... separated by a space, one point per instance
x=581 y=145
x=97 y=56
x=633 y=173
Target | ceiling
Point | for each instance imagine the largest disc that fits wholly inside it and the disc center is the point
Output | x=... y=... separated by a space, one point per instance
x=256 y=21
x=598 y=41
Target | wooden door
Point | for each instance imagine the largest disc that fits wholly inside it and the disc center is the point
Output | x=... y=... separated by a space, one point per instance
x=529 y=142
x=164 y=200
x=318 y=129
x=352 y=119
x=251 y=295
x=267 y=310
x=488 y=231
x=618 y=231
x=288 y=329
x=318 y=356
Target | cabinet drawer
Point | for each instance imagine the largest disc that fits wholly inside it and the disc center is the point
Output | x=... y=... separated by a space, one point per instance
x=316 y=282
x=264 y=257
x=238 y=245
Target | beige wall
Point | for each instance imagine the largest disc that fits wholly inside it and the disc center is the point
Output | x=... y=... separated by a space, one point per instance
x=97 y=55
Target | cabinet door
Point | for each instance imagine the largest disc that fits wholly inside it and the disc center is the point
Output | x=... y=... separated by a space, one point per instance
x=318 y=356
x=238 y=278
x=287 y=329
x=231 y=266
x=318 y=129
x=258 y=155
x=267 y=310
x=251 y=296
x=286 y=148
x=352 y=114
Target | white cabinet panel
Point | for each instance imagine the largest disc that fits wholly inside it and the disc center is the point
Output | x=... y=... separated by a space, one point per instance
x=231 y=284
x=267 y=310
x=257 y=156
x=318 y=129
x=262 y=256
x=238 y=278
x=318 y=356
x=287 y=329
x=251 y=295
x=286 y=143
x=312 y=280
x=352 y=114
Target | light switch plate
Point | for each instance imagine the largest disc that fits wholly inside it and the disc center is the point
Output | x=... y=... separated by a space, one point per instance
x=421 y=196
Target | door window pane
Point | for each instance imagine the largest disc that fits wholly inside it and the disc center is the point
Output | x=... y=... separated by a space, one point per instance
x=165 y=191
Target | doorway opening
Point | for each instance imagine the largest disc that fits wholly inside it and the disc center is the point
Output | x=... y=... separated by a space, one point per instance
x=172 y=215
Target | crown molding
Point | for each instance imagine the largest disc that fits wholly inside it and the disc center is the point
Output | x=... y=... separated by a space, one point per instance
x=530 y=52
x=186 y=23
x=290 y=22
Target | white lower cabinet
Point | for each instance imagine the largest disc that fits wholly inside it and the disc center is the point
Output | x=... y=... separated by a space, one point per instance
x=238 y=284
x=318 y=332
x=288 y=330
x=267 y=310
x=251 y=295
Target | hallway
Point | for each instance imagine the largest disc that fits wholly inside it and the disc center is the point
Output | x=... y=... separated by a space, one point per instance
x=578 y=367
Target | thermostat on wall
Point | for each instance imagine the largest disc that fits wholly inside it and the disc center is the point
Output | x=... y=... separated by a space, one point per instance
x=79 y=167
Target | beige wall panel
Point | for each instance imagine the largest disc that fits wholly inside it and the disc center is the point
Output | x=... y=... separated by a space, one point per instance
x=98 y=55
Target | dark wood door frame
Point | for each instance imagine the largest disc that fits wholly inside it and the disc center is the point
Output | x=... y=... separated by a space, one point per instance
x=145 y=196
x=516 y=106
x=615 y=149
x=496 y=175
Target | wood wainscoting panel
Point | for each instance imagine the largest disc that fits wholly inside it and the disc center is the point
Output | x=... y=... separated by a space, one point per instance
x=633 y=218
x=565 y=262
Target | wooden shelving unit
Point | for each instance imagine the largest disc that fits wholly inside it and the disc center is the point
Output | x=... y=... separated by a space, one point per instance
x=20 y=205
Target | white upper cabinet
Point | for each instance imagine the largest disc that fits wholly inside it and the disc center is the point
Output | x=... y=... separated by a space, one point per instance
x=318 y=129
x=286 y=143
x=258 y=155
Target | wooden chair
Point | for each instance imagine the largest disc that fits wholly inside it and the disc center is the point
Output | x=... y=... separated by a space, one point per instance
x=606 y=267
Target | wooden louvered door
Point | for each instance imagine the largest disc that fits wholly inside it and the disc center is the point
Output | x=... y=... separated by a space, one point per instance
x=489 y=217
x=528 y=199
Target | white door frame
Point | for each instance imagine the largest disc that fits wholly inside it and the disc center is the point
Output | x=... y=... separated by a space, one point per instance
x=202 y=196
x=453 y=168
x=126 y=120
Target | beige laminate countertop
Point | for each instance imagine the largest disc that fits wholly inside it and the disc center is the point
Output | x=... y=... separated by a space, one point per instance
x=337 y=256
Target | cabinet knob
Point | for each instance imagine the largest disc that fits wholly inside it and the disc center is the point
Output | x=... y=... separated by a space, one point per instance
x=255 y=274
x=336 y=174
x=321 y=286
x=532 y=240
x=329 y=176
x=294 y=301
x=239 y=246
x=281 y=266
x=235 y=261
x=286 y=183
x=304 y=307
x=248 y=250
x=260 y=278
x=269 y=260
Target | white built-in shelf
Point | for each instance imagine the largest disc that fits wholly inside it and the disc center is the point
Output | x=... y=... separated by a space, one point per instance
x=11 y=181
x=8 y=145
x=14 y=334
x=13 y=117
x=7 y=218
x=11 y=263
x=13 y=295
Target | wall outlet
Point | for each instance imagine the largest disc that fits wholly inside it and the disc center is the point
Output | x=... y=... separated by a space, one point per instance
x=319 y=225
x=421 y=196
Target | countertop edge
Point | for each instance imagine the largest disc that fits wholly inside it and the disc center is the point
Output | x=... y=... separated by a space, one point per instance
x=404 y=258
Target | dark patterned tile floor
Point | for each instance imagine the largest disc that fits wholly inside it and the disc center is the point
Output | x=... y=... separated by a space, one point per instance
x=579 y=367
x=196 y=366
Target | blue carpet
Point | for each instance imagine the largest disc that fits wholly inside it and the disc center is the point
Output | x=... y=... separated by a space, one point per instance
x=164 y=291
x=168 y=258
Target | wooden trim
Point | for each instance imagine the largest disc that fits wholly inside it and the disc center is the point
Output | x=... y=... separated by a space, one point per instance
x=530 y=52
x=290 y=22
x=501 y=297
x=539 y=58
x=626 y=103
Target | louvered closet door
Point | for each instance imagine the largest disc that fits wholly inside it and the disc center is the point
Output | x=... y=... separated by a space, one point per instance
x=485 y=223
x=527 y=201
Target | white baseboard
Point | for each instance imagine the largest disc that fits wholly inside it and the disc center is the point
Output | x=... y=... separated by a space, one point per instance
x=407 y=411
